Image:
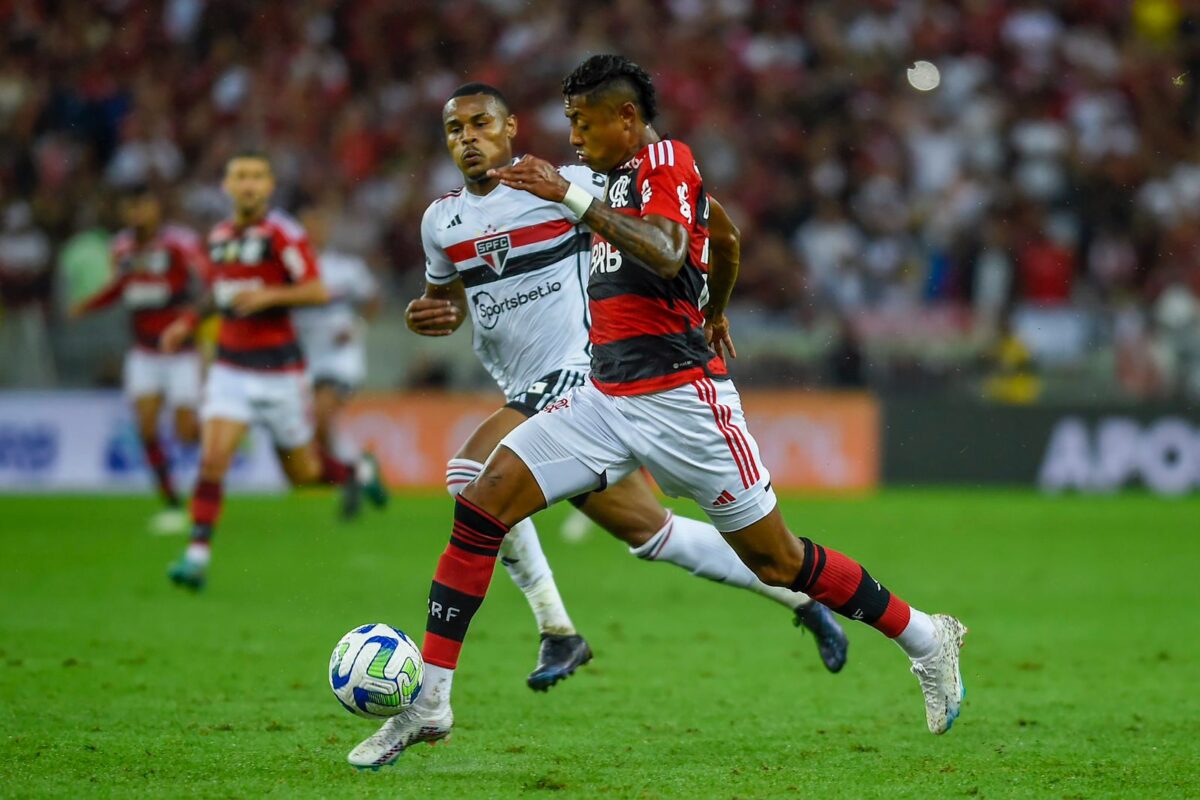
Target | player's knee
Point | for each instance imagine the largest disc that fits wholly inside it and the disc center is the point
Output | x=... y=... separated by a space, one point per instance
x=459 y=473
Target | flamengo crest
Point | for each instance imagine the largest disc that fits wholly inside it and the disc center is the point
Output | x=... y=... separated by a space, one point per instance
x=494 y=251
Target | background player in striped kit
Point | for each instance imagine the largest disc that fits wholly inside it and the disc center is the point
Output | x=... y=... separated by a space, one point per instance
x=156 y=273
x=517 y=265
x=260 y=266
x=659 y=397
x=332 y=335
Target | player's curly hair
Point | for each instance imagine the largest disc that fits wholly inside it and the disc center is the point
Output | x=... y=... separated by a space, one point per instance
x=601 y=71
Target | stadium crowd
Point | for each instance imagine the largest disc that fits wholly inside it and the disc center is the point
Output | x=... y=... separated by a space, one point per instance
x=1037 y=212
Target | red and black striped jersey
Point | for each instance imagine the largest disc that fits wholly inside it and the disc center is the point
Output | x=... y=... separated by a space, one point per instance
x=156 y=279
x=271 y=252
x=648 y=332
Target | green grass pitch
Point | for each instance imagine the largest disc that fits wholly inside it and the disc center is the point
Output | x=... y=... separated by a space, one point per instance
x=1082 y=664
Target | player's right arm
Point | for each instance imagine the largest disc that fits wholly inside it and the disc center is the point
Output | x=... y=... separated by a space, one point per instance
x=443 y=307
x=176 y=335
x=101 y=299
x=438 y=312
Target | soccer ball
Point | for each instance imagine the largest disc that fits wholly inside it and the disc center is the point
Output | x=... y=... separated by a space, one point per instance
x=376 y=671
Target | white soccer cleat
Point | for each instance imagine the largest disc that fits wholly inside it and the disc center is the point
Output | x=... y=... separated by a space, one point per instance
x=412 y=725
x=170 y=522
x=939 y=675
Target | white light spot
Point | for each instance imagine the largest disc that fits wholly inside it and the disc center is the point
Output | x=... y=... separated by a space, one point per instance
x=924 y=76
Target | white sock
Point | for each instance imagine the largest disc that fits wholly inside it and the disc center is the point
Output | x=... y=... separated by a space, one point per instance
x=435 y=688
x=701 y=549
x=919 y=638
x=522 y=556
x=198 y=553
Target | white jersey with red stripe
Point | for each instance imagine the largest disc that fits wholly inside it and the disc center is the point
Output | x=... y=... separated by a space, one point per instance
x=524 y=263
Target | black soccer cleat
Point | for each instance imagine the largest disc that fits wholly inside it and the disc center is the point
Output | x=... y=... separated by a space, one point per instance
x=558 y=658
x=832 y=643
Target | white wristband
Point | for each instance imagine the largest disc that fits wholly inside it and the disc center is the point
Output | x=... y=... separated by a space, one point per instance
x=578 y=200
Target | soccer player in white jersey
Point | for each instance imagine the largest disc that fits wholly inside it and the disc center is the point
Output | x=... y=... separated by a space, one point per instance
x=517 y=265
x=658 y=395
x=332 y=335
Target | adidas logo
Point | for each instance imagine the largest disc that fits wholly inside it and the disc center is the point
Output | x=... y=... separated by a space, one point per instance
x=456 y=221
x=724 y=499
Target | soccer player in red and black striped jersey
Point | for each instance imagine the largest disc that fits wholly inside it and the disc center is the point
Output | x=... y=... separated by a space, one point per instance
x=518 y=266
x=659 y=397
x=260 y=266
x=157 y=269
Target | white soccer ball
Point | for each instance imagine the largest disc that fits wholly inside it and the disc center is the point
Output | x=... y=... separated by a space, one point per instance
x=376 y=671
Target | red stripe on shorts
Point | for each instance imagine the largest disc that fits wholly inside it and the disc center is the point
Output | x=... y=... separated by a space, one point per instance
x=707 y=394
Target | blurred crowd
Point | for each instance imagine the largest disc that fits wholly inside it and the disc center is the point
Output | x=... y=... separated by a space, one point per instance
x=1043 y=200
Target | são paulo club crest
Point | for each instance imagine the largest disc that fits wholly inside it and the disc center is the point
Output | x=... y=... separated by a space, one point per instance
x=494 y=251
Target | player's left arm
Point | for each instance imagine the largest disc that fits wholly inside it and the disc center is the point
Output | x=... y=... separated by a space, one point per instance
x=305 y=288
x=725 y=255
x=654 y=241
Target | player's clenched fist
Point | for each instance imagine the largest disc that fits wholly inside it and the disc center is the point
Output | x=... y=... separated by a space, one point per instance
x=430 y=317
x=175 y=335
x=533 y=175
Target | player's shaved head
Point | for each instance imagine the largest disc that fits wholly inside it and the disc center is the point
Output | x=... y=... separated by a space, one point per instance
x=614 y=79
x=479 y=131
x=474 y=88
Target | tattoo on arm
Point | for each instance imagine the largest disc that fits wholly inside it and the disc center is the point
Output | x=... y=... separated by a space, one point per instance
x=659 y=248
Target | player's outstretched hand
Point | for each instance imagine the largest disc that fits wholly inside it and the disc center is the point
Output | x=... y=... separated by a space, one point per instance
x=431 y=317
x=175 y=335
x=533 y=175
x=716 y=331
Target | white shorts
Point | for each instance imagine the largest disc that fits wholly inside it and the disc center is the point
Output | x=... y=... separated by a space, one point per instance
x=693 y=439
x=280 y=401
x=173 y=376
x=345 y=366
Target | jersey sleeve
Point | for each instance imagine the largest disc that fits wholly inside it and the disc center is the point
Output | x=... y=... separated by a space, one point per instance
x=584 y=177
x=296 y=255
x=439 y=269
x=669 y=183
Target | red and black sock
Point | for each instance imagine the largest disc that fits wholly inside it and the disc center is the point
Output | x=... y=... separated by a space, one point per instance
x=334 y=472
x=464 y=572
x=206 y=508
x=842 y=584
x=158 y=462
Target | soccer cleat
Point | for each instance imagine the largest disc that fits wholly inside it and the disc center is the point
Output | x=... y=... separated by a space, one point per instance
x=170 y=522
x=370 y=478
x=187 y=574
x=412 y=725
x=939 y=675
x=365 y=481
x=558 y=658
x=351 y=498
x=832 y=643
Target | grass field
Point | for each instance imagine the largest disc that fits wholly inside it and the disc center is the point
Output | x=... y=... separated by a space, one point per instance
x=1082 y=664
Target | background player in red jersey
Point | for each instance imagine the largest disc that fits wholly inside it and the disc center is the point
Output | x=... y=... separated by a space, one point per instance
x=156 y=271
x=659 y=397
x=260 y=266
